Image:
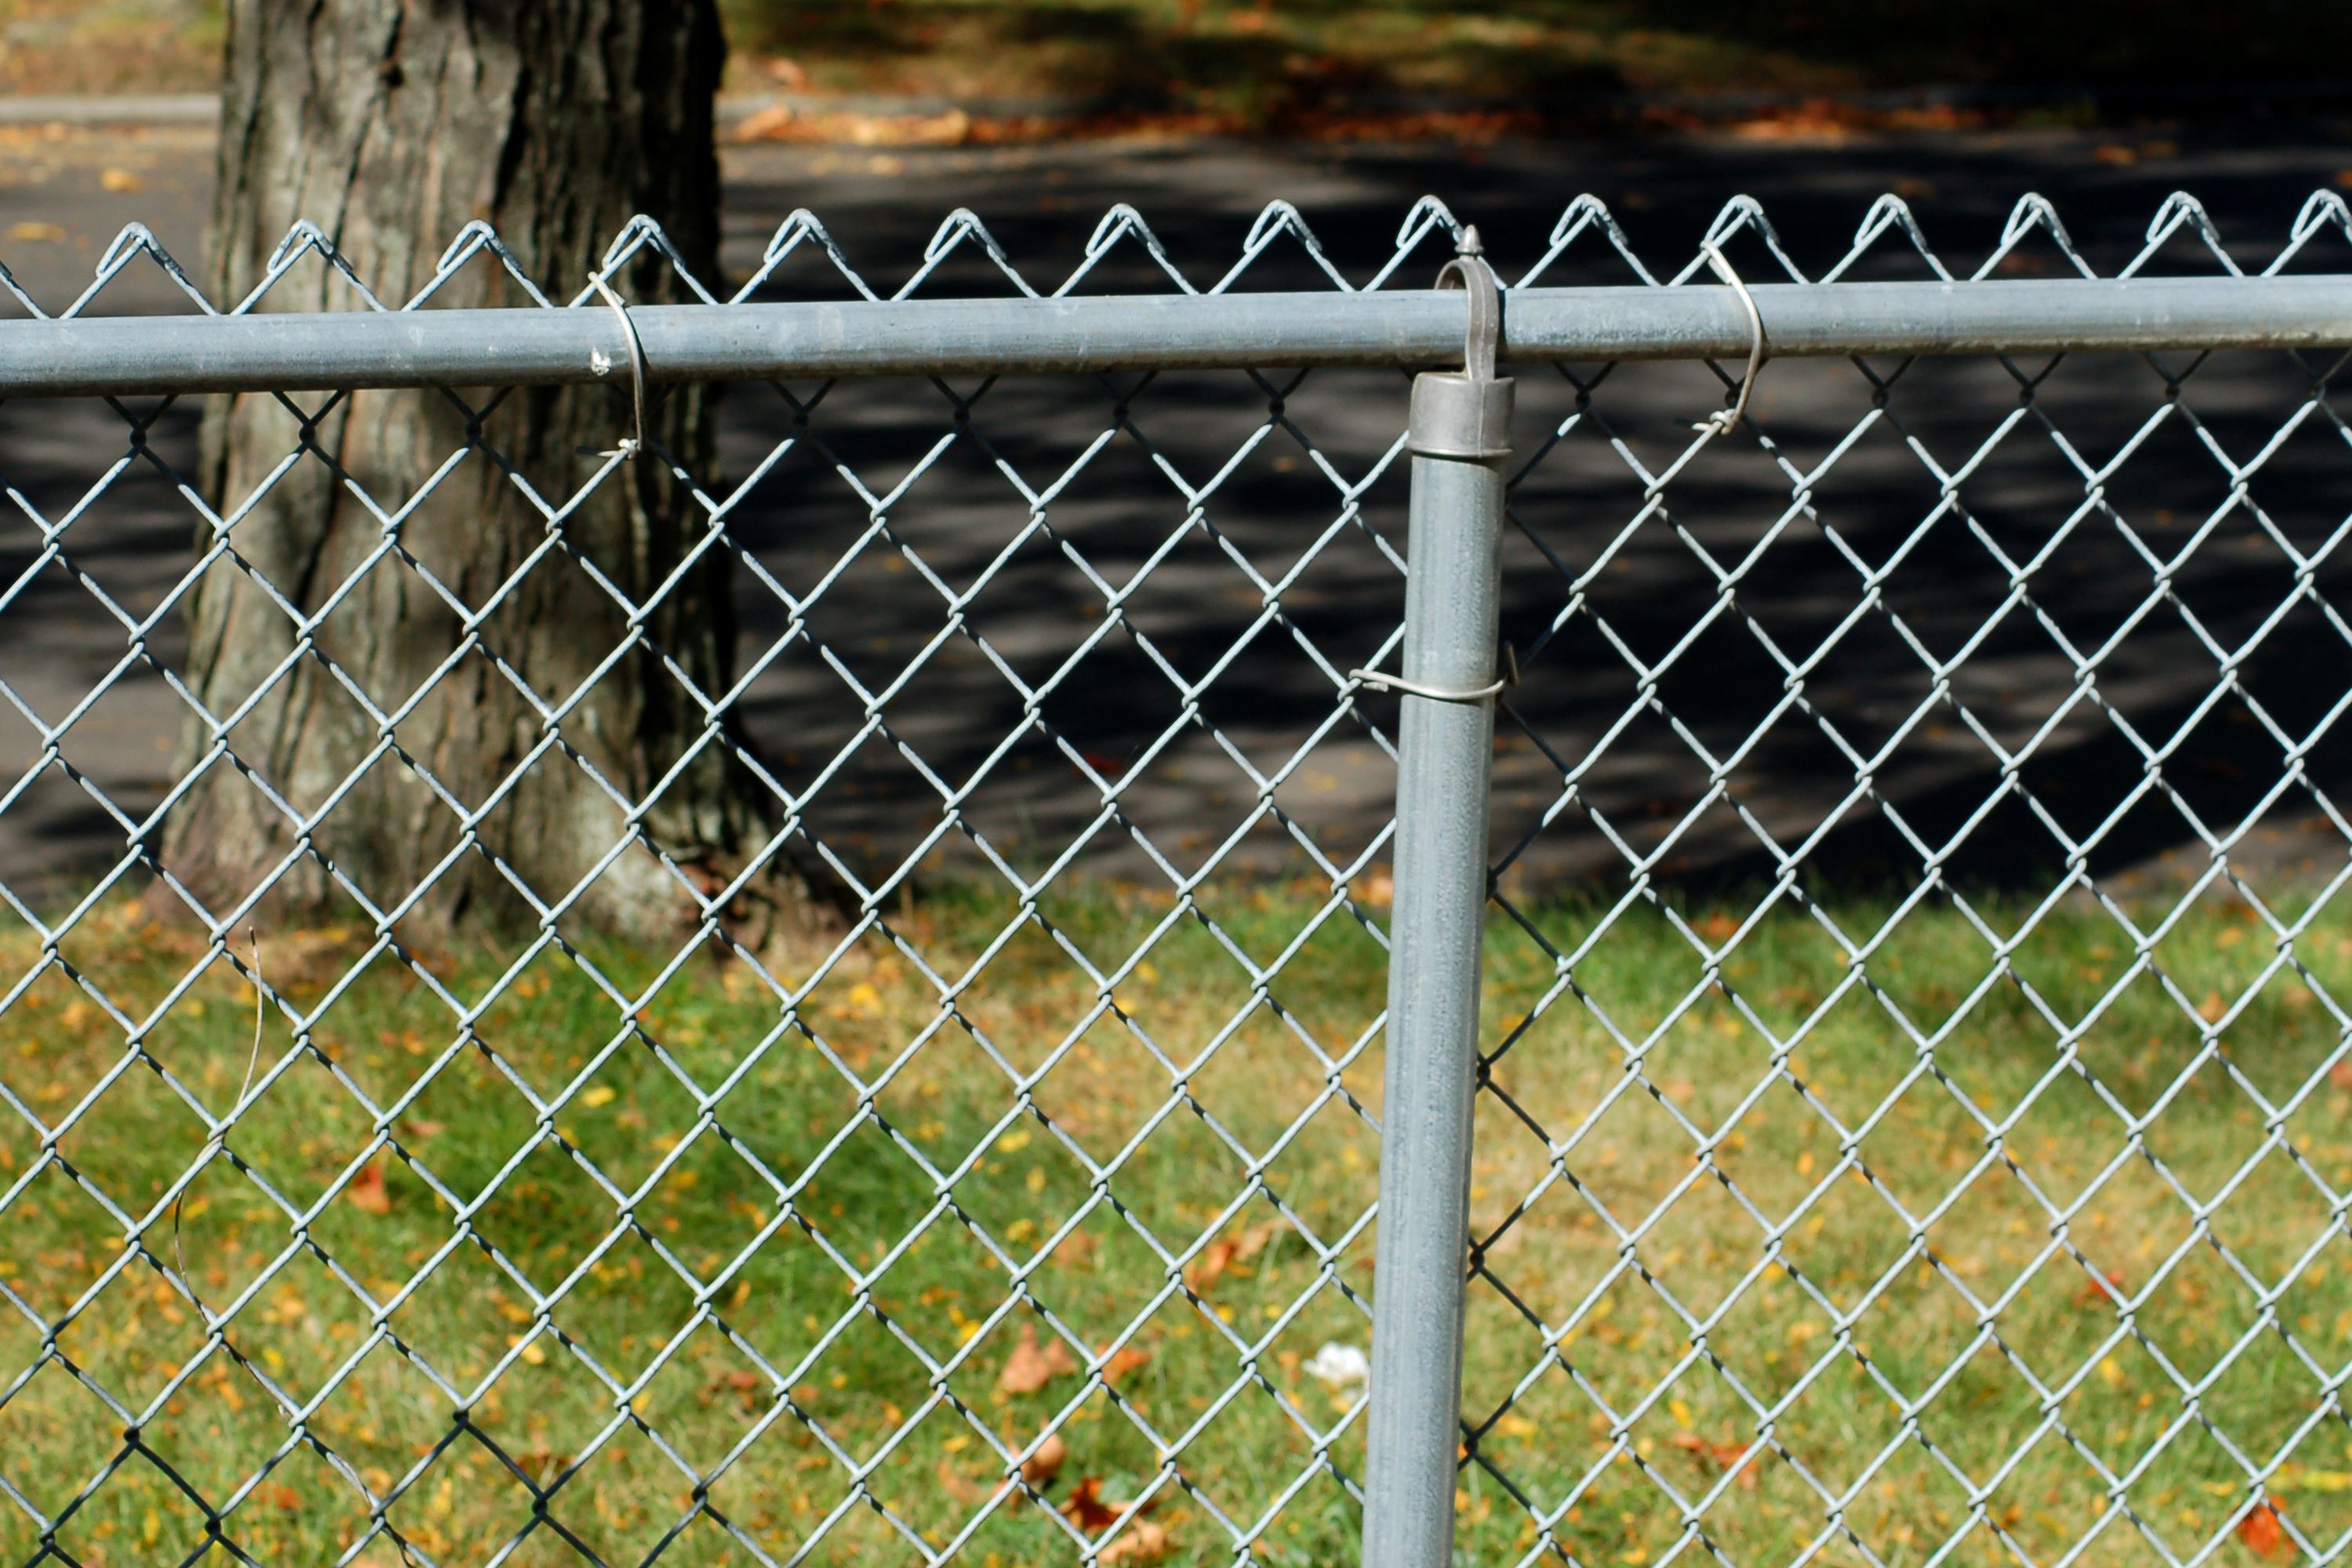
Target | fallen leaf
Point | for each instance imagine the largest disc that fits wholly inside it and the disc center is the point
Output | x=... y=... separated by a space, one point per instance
x=1124 y=1360
x=2096 y=1291
x=2121 y=157
x=2341 y=1075
x=1723 y=1455
x=786 y=73
x=765 y=124
x=1087 y=1509
x=1213 y=1261
x=1040 y=1467
x=367 y=1192
x=1716 y=924
x=2344 y=178
x=2212 y=1007
x=598 y=1094
x=957 y=1485
x=2259 y=1528
x=1143 y=1543
x=1031 y=1366
x=286 y=1497
x=120 y=181
x=36 y=233
x=1254 y=1240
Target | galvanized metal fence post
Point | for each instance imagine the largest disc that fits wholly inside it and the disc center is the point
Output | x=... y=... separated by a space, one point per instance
x=1459 y=439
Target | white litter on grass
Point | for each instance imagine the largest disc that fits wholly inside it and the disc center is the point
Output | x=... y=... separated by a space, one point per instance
x=1340 y=1366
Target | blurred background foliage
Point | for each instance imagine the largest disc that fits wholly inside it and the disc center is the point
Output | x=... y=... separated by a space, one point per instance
x=1257 y=57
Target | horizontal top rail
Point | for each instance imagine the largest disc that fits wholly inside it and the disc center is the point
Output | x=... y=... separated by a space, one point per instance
x=326 y=351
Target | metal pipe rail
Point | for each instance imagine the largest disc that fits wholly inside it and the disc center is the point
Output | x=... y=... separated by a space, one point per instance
x=324 y=351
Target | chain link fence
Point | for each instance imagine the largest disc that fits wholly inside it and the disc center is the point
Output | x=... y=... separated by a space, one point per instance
x=1909 y=1048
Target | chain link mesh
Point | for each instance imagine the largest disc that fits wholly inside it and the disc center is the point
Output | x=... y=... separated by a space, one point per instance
x=1913 y=1105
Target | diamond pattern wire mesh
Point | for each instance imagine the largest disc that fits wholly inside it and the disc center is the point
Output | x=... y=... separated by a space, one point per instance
x=1009 y=1222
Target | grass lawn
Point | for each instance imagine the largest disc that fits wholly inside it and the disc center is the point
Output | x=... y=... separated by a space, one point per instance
x=733 y=1270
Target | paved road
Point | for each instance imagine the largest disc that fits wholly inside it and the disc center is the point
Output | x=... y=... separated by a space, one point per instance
x=56 y=643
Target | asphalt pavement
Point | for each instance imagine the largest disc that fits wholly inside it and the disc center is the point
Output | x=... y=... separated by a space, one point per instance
x=1670 y=698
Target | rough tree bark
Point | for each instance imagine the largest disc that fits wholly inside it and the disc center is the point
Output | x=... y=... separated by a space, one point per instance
x=390 y=124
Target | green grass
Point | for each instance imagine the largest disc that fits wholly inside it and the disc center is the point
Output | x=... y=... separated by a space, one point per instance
x=529 y=1411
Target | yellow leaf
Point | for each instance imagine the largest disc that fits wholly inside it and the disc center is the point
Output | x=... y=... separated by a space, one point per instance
x=1679 y=1411
x=1036 y=1182
x=151 y=1527
x=865 y=998
x=40 y=233
x=1013 y=1142
x=601 y=1094
x=2110 y=1373
x=120 y=180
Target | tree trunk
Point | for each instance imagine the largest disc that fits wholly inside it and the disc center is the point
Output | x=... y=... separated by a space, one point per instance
x=391 y=124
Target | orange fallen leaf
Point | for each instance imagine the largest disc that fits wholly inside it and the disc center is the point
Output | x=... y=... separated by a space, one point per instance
x=1716 y=924
x=1723 y=1455
x=2344 y=178
x=367 y=1192
x=1124 y=1360
x=120 y=180
x=2121 y=157
x=2094 y=1293
x=31 y=233
x=1032 y=1367
x=766 y=125
x=2212 y=1007
x=1144 y=1542
x=1254 y=1240
x=2341 y=1075
x=1040 y=1467
x=2263 y=1531
x=1213 y=1261
x=286 y=1498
